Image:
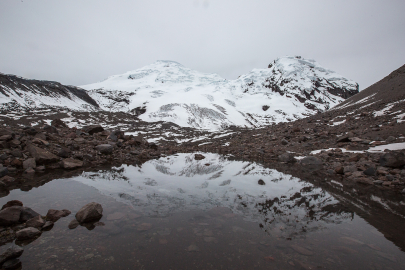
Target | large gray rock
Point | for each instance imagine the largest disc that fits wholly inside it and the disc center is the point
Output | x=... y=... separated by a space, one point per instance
x=41 y=155
x=35 y=222
x=10 y=215
x=71 y=163
x=93 y=129
x=11 y=253
x=90 y=212
x=29 y=163
x=393 y=160
x=28 y=233
x=105 y=148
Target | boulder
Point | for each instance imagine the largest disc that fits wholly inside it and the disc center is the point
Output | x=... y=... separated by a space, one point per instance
x=35 y=222
x=287 y=158
x=28 y=233
x=90 y=212
x=12 y=203
x=370 y=171
x=105 y=149
x=64 y=152
x=58 y=123
x=29 y=163
x=41 y=156
x=10 y=215
x=70 y=163
x=11 y=253
x=73 y=224
x=93 y=129
x=27 y=213
x=55 y=215
x=50 y=129
x=392 y=159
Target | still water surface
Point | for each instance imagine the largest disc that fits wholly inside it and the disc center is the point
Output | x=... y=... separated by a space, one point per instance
x=179 y=213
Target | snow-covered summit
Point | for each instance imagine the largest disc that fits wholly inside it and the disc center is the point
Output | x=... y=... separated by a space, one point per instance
x=290 y=88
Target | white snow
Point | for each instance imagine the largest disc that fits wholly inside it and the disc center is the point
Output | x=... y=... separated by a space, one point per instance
x=173 y=93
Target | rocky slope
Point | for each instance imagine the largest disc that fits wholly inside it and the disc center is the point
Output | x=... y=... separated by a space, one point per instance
x=23 y=95
x=290 y=88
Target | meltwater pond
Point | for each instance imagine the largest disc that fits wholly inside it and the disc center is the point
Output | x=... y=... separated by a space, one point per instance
x=182 y=213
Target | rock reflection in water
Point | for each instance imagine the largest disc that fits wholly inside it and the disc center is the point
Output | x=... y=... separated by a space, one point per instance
x=180 y=183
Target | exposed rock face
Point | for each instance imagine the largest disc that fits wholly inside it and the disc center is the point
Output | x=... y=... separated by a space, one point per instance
x=90 y=212
x=41 y=155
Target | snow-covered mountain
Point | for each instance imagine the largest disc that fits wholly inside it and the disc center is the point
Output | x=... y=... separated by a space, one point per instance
x=20 y=94
x=290 y=88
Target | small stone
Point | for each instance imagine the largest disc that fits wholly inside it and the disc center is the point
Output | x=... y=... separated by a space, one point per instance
x=90 y=212
x=70 y=163
x=198 y=157
x=11 y=253
x=29 y=163
x=261 y=182
x=35 y=222
x=105 y=149
x=73 y=224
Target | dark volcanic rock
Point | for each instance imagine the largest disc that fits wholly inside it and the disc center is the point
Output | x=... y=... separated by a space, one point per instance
x=370 y=171
x=198 y=157
x=90 y=212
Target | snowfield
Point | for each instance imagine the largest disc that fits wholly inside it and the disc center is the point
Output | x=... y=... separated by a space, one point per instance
x=291 y=88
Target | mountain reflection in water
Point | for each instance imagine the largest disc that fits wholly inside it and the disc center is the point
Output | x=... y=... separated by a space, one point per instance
x=180 y=183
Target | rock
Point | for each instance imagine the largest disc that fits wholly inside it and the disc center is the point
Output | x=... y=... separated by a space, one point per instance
x=29 y=163
x=12 y=203
x=3 y=171
x=14 y=143
x=16 y=163
x=58 y=123
x=390 y=139
x=63 y=152
x=30 y=130
x=90 y=212
x=93 y=129
x=351 y=168
x=370 y=171
x=7 y=180
x=284 y=142
x=10 y=215
x=35 y=222
x=105 y=149
x=28 y=233
x=343 y=139
x=73 y=224
x=11 y=253
x=6 y=137
x=27 y=213
x=261 y=182
x=50 y=129
x=310 y=160
x=54 y=215
x=12 y=264
x=16 y=153
x=47 y=226
x=115 y=135
x=287 y=158
x=392 y=159
x=198 y=157
x=29 y=171
x=339 y=170
x=41 y=156
x=70 y=163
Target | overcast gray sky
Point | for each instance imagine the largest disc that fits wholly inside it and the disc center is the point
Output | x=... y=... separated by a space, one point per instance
x=81 y=42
